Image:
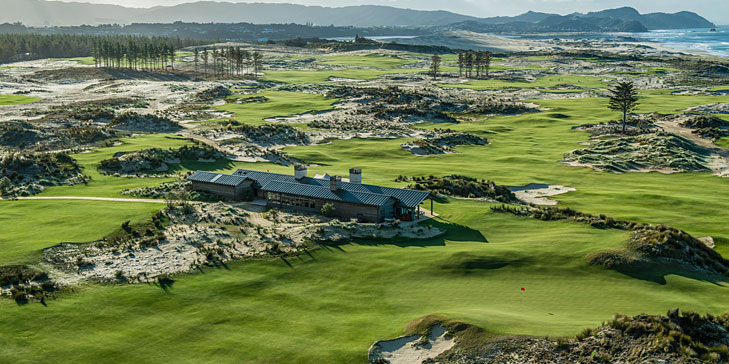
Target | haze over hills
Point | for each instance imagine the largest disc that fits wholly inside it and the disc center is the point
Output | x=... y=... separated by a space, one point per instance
x=50 y=13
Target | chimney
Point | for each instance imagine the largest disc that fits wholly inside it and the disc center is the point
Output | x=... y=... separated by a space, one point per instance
x=300 y=171
x=355 y=175
x=335 y=183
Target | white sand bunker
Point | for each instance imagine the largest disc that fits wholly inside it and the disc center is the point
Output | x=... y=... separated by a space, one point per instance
x=413 y=349
x=536 y=193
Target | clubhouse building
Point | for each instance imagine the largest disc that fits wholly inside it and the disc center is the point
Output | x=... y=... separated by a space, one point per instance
x=351 y=199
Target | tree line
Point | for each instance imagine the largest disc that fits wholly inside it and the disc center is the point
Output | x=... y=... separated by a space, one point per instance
x=25 y=47
x=227 y=61
x=470 y=64
x=470 y=61
x=135 y=53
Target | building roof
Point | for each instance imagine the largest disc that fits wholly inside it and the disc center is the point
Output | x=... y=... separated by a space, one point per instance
x=312 y=191
x=217 y=178
x=409 y=198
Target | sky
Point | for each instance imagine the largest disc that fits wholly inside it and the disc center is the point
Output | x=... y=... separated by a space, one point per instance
x=714 y=10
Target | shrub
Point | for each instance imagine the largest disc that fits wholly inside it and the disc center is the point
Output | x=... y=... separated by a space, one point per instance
x=328 y=209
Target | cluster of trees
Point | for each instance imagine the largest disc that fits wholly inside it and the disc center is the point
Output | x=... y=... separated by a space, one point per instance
x=228 y=61
x=106 y=49
x=21 y=47
x=134 y=53
x=470 y=61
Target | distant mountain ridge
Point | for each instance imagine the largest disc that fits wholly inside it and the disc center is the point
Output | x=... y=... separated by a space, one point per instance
x=625 y=19
x=52 y=13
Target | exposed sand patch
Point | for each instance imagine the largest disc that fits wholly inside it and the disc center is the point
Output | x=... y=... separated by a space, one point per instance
x=719 y=158
x=412 y=349
x=538 y=194
x=708 y=241
x=713 y=108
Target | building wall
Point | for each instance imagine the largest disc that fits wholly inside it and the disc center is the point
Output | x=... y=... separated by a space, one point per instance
x=363 y=212
x=229 y=192
x=344 y=210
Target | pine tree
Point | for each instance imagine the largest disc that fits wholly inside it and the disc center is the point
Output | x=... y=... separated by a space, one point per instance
x=623 y=98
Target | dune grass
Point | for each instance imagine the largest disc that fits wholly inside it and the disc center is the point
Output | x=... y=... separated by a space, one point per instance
x=17 y=99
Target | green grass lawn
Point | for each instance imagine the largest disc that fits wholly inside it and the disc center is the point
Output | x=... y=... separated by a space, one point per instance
x=280 y=103
x=543 y=82
x=17 y=99
x=102 y=185
x=30 y=226
x=528 y=148
x=321 y=76
x=382 y=61
x=330 y=306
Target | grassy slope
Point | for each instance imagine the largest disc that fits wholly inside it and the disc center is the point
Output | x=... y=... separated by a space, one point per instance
x=30 y=226
x=330 y=308
x=16 y=99
x=372 y=60
x=280 y=103
x=109 y=186
x=543 y=82
x=528 y=148
x=377 y=66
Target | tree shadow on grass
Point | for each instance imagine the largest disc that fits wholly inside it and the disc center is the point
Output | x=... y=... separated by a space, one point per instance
x=457 y=232
x=283 y=258
x=465 y=263
x=165 y=283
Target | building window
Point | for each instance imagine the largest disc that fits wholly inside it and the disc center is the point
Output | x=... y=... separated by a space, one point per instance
x=291 y=200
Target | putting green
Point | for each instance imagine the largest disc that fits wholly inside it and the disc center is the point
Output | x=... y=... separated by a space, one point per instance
x=17 y=99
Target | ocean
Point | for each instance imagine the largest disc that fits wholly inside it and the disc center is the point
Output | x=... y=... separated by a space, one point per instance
x=691 y=40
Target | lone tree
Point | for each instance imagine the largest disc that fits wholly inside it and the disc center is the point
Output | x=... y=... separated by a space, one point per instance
x=435 y=65
x=624 y=98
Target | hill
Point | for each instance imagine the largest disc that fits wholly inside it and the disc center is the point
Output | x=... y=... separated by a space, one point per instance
x=625 y=19
x=54 y=13
x=40 y=12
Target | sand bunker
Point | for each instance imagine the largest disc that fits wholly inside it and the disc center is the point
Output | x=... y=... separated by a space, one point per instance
x=537 y=194
x=412 y=349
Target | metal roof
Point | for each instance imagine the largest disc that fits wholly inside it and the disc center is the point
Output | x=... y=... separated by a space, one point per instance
x=409 y=198
x=216 y=178
x=311 y=191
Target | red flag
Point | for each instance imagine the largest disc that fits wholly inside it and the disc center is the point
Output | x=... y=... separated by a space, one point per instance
x=523 y=289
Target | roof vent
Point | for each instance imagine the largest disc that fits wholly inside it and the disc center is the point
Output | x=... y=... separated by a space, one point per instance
x=335 y=183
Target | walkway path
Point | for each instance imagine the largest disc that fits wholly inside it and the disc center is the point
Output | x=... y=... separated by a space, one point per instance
x=85 y=198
